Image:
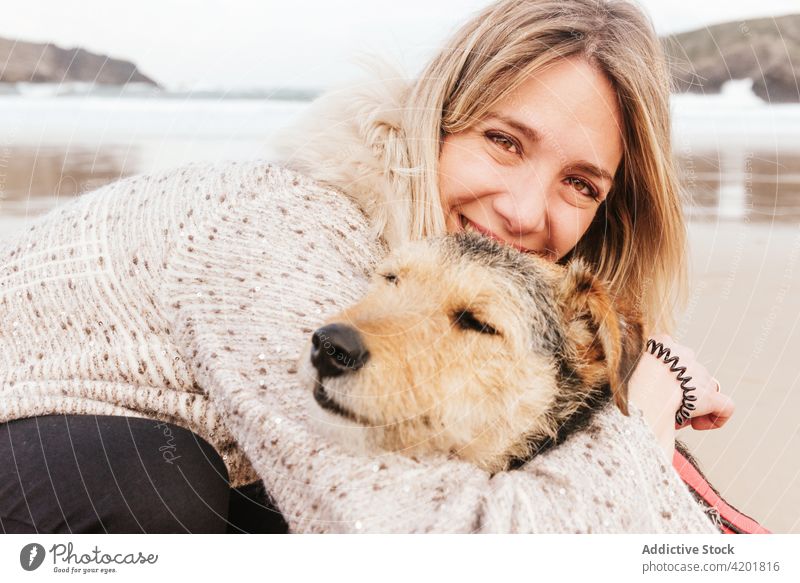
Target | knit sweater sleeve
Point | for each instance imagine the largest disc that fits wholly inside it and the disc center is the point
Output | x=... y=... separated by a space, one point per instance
x=267 y=267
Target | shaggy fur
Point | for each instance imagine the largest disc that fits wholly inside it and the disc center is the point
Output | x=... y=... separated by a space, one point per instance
x=467 y=346
x=347 y=139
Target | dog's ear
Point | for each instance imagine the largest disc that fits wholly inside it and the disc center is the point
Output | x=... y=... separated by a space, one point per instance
x=633 y=342
x=604 y=340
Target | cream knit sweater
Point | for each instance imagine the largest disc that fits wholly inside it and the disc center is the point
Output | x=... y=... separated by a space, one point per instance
x=187 y=296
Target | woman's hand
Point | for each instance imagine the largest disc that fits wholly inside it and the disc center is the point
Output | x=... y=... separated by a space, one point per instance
x=712 y=408
x=655 y=390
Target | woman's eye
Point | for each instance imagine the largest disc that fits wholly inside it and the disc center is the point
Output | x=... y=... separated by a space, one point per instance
x=583 y=187
x=466 y=320
x=505 y=142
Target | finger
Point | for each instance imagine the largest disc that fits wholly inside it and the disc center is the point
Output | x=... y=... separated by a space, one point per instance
x=702 y=380
x=704 y=422
x=715 y=403
x=708 y=422
x=712 y=410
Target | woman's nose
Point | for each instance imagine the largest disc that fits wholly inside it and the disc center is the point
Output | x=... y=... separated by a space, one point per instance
x=523 y=207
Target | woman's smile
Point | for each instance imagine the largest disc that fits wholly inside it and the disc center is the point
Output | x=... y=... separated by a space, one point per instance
x=468 y=225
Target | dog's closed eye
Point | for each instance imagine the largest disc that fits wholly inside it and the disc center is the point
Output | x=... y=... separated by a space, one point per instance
x=466 y=320
x=390 y=277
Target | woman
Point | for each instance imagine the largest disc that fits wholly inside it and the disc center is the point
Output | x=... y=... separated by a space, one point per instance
x=184 y=299
x=599 y=92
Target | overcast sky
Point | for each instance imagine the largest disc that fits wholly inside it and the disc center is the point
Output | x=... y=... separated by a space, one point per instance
x=292 y=43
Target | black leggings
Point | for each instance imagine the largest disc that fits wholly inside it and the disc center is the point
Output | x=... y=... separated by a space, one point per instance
x=98 y=473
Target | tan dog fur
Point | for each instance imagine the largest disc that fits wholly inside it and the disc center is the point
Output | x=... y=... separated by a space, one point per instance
x=433 y=382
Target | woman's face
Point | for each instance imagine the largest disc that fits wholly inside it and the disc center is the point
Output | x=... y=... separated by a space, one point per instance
x=534 y=170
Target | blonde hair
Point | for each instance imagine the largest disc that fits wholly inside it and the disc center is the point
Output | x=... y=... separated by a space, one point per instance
x=637 y=240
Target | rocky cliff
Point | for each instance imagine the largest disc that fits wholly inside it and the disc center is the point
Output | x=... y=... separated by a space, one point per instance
x=766 y=50
x=47 y=63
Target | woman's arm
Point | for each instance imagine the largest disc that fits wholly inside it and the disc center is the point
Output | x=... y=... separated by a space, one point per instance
x=654 y=388
x=280 y=256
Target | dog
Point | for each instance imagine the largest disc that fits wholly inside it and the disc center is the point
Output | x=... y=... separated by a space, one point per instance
x=465 y=346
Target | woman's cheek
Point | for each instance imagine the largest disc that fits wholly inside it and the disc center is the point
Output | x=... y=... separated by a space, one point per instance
x=565 y=231
x=575 y=221
x=464 y=176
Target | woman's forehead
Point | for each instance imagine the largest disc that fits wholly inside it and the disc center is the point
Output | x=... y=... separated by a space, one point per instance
x=571 y=106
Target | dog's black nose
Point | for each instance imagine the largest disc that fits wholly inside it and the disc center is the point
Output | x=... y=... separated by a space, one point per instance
x=337 y=349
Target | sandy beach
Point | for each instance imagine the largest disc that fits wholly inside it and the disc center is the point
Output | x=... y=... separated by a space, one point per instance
x=743 y=322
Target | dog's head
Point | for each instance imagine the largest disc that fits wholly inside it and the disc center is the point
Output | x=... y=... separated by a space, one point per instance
x=466 y=346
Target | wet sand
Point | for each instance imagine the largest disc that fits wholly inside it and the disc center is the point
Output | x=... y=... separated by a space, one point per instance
x=743 y=322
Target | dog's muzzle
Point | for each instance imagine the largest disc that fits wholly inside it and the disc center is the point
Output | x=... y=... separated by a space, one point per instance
x=337 y=349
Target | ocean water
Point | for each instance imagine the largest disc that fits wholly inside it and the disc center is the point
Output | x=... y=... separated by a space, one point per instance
x=739 y=157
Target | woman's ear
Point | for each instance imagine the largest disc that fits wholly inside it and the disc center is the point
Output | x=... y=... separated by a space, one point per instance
x=605 y=340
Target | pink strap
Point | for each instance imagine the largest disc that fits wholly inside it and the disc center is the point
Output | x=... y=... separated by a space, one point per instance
x=734 y=522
